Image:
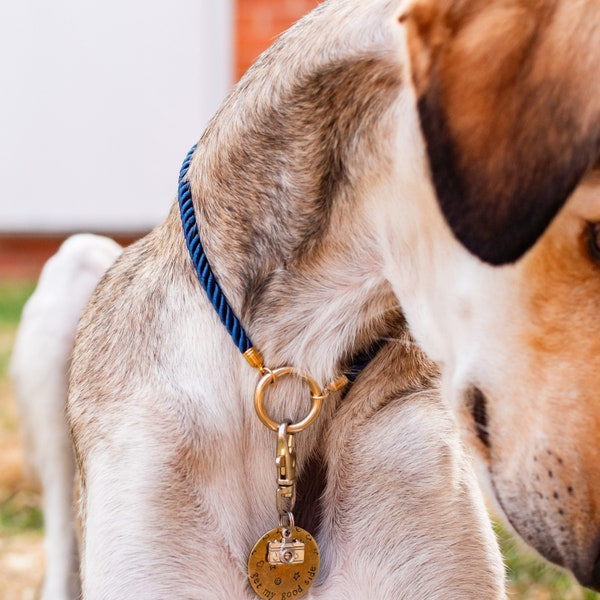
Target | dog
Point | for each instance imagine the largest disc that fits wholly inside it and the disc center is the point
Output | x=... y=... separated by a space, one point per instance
x=433 y=154
x=38 y=369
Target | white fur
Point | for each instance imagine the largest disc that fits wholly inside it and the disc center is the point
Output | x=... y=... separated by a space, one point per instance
x=39 y=373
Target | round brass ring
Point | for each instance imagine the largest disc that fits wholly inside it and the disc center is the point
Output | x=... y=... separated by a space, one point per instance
x=271 y=377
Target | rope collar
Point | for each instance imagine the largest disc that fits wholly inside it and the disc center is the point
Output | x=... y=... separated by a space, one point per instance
x=226 y=314
x=201 y=264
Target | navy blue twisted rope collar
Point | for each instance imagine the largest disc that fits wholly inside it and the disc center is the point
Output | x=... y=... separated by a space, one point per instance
x=201 y=265
x=214 y=291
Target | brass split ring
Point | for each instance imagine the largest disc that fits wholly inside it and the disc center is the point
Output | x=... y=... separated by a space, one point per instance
x=272 y=376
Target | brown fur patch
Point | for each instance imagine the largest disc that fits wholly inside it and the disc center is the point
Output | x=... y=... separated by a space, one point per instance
x=510 y=123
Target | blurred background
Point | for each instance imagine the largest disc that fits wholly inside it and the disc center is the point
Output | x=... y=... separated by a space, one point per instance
x=100 y=102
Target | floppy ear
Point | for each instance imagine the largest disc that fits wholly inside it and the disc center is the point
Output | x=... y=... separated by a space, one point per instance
x=509 y=102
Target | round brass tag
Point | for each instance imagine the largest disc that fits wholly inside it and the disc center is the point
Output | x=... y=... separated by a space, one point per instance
x=277 y=573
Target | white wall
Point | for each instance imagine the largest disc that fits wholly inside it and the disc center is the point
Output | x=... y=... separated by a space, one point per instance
x=100 y=101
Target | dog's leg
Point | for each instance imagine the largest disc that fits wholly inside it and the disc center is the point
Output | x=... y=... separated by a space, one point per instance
x=177 y=471
x=171 y=500
x=404 y=519
x=166 y=510
x=39 y=373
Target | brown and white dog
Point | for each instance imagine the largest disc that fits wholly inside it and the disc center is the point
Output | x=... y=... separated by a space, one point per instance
x=323 y=189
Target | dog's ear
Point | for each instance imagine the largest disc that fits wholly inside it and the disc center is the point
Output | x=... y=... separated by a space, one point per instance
x=509 y=102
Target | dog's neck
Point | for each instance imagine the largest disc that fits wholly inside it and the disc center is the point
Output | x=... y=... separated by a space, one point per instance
x=280 y=188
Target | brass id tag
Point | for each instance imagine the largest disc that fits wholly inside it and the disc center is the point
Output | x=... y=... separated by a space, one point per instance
x=280 y=568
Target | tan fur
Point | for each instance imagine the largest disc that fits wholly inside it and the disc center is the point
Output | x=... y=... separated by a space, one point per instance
x=511 y=121
x=502 y=133
x=555 y=433
x=176 y=469
x=38 y=371
x=390 y=446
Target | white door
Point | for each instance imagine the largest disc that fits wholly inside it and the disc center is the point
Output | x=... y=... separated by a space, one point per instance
x=100 y=101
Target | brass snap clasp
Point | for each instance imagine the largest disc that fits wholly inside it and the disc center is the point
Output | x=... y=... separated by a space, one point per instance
x=272 y=376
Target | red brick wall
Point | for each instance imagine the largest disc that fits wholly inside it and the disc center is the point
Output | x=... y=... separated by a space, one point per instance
x=259 y=22
x=22 y=256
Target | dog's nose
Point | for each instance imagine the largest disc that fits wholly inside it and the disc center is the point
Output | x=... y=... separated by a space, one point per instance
x=588 y=576
x=596 y=575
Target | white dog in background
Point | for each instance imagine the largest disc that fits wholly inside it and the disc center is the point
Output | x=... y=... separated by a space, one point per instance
x=39 y=373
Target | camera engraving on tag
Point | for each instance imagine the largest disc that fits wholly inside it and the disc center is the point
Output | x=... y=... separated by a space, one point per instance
x=286 y=552
x=281 y=568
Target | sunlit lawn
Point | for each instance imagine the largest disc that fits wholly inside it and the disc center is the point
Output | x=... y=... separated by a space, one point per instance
x=21 y=554
x=18 y=508
x=21 y=520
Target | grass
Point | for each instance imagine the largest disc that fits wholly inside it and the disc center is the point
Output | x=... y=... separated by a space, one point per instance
x=12 y=297
x=20 y=512
x=19 y=508
x=529 y=577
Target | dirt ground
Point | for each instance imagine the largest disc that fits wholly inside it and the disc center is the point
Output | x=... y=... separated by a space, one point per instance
x=21 y=566
x=21 y=550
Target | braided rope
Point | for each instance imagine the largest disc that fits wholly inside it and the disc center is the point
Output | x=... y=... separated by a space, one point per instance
x=201 y=265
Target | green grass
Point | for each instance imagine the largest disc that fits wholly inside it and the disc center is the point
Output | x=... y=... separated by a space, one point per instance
x=19 y=509
x=532 y=578
x=12 y=297
x=21 y=513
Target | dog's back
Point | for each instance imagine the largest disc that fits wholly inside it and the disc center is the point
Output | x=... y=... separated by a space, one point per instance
x=39 y=374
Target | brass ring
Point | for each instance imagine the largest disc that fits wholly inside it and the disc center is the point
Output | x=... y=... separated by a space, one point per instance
x=266 y=380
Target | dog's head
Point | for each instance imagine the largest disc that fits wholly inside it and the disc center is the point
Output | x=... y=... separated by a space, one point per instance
x=508 y=104
x=507 y=98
